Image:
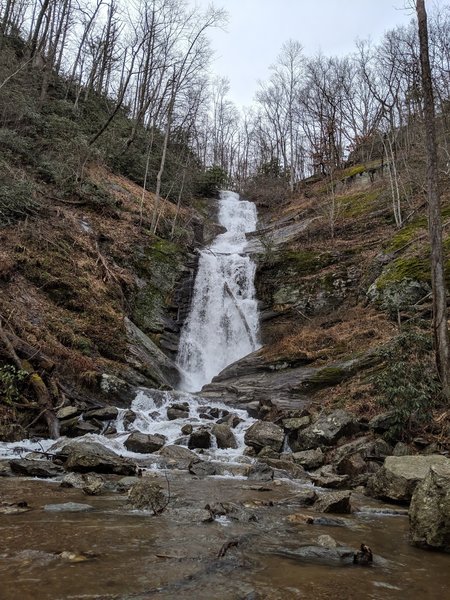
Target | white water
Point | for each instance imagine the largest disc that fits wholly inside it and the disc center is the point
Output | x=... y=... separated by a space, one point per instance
x=222 y=326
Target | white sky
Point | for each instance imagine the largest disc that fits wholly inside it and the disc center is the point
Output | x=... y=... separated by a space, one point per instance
x=258 y=28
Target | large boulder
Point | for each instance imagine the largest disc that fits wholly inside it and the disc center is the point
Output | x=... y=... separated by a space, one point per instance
x=309 y=459
x=35 y=468
x=264 y=433
x=326 y=431
x=144 y=443
x=177 y=457
x=83 y=457
x=224 y=436
x=399 y=476
x=200 y=438
x=429 y=512
x=91 y=483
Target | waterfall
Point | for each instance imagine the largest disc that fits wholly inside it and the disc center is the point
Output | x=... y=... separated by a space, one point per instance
x=222 y=325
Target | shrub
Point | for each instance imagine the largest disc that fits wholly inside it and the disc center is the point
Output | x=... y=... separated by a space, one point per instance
x=11 y=383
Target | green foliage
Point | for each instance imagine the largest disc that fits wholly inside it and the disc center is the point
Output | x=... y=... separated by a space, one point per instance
x=16 y=199
x=408 y=383
x=211 y=181
x=11 y=383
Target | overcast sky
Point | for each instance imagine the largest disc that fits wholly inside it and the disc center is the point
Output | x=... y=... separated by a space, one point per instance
x=258 y=28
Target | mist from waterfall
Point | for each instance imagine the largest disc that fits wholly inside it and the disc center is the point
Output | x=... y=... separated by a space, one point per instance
x=223 y=323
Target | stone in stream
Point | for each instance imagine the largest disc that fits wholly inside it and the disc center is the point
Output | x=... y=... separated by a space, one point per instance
x=200 y=438
x=202 y=468
x=90 y=456
x=107 y=413
x=264 y=433
x=178 y=411
x=147 y=495
x=326 y=477
x=68 y=507
x=224 y=436
x=67 y=412
x=187 y=429
x=325 y=431
x=429 y=512
x=144 y=443
x=399 y=476
x=334 y=502
x=5 y=469
x=309 y=459
x=76 y=428
x=260 y=472
x=35 y=468
x=91 y=483
x=177 y=457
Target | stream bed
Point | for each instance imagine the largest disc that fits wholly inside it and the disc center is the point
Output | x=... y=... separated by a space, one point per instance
x=113 y=552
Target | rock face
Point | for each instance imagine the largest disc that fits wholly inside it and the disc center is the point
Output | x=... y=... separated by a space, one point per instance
x=429 y=513
x=399 y=476
x=144 y=443
x=326 y=431
x=90 y=456
x=264 y=433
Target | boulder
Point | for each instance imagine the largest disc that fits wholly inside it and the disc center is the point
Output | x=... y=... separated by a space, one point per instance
x=91 y=483
x=178 y=411
x=67 y=412
x=287 y=468
x=268 y=452
x=91 y=456
x=144 y=443
x=334 y=502
x=187 y=429
x=177 y=457
x=264 y=433
x=326 y=431
x=202 y=468
x=76 y=428
x=296 y=423
x=429 y=512
x=326 y=477
x=383 y=422
x=339 y=556
x=309 y=459
x=108 y=413
x=200 y=438
x=147 y=495
x=35 y=468
x=224 y=436
x=124 y=484
x=260 y=472
x=399 y=476
x=352 y=465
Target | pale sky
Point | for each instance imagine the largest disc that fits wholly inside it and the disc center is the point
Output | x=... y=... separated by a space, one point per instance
x=258 y=28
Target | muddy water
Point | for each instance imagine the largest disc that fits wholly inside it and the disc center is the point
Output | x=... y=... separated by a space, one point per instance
x=134 y=555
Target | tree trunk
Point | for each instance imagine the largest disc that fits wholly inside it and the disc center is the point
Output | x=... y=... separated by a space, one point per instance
x=440 y=327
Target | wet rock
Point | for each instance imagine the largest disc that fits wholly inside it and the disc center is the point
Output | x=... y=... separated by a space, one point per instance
x=296 y=423
x=285 y=468
x=339 y=556
x=68 y=507
x=334 y=502
x=352 y=465
x=178 y=411
x=326 y=477
x=177 y=457
x=67 y=412
x=268 y=452
x=399 y=476
x=14 y=508
x=302 y=498
x=201 y=438
x=202 y=468
x=264 y=433
x=309 y=459
x=190 y=515
x=383 y=422
x=128 y=419
x=429 y=512
x=147 y=495
x=260 y=472
x=326 y=431
x=326 y=541
x=83 y=457
x=230 y=420
x=35 y=468
x=187 y=429
x=144 y=443
x=5 y=469
x=108 y=413
x=91 y=483
x=305 y=519
x=224 y=436
x=76 y=428
x=124 y=484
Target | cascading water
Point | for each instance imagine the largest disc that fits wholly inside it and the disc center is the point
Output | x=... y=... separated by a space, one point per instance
x=222 y=326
